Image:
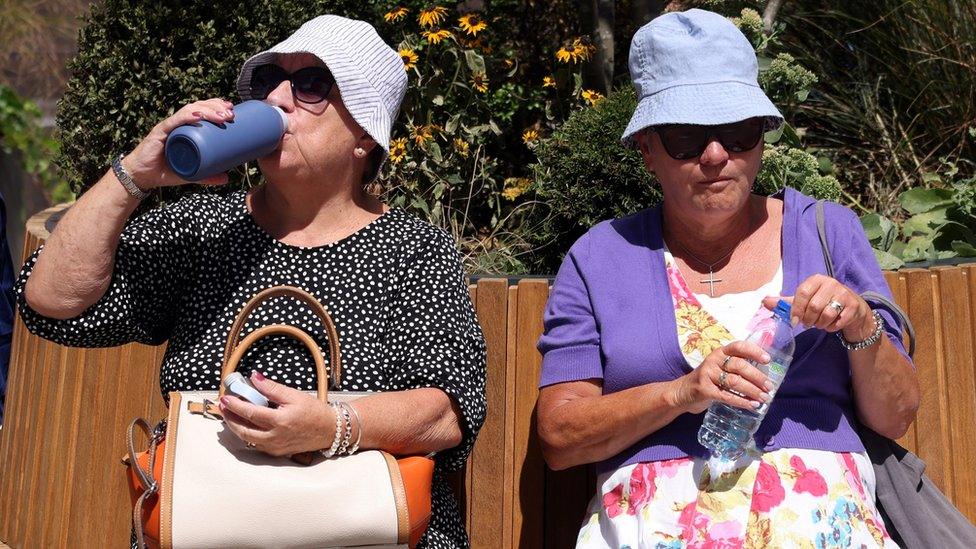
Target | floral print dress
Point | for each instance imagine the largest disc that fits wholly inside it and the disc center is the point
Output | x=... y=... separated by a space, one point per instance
x=784 y=498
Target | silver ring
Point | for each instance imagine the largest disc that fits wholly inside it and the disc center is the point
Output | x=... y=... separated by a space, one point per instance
x=250 y=445
x=721 y=380
x=836 y=305
x=725 y=363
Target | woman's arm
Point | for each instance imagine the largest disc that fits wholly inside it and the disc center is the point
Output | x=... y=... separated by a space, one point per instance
x=578 y=424
x=886 y=391
x=416 y=421
x=75 y=268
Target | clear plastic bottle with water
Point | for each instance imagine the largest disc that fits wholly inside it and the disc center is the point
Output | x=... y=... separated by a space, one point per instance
x=727 y=430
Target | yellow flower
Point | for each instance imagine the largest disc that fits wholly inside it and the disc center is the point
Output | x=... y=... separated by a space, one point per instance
x=398 y=149
x=583 y=49
x=423 y=133
x=472 y=24
x=530 y=136
x=516 y=187
x=409 y=58
x=509 y=63
x=480 y=81
x=461 y=146
x=548 y=82
x=592 y=97
x=564 y=55
x=435 y=36
x=396 y=14
x=432 y=16
x=580 y=50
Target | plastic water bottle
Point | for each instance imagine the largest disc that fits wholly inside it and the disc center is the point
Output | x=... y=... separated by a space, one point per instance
x=727 y=430
x=204 y=149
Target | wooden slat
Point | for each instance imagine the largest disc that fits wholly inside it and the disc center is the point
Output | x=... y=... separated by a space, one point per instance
x=961 y=397
x=932 y=432
x=12 y=418
x=488 y=464
x=511 y=380
x=896 y=281
x=528 y=518
x=567 y=494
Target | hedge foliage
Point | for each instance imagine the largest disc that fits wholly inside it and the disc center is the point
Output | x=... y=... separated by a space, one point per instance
x=138 y=62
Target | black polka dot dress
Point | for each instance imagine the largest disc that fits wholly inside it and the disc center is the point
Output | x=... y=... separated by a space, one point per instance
x=395 y=289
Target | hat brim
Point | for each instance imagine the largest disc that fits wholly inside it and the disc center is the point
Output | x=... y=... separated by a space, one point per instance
x=702 y=104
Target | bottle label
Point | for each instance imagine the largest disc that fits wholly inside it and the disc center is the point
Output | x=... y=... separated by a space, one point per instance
x=777 y=369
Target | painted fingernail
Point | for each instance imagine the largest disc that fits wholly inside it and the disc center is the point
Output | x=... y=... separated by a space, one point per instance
x=196 y=114
x=224 y=400
x=794 y=320
x=765 y=357
x=756 y=405
x=768 y=385
x=258 y=376
x=764 y=397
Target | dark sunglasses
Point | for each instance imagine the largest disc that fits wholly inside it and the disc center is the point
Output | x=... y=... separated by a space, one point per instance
x=685 y=141
x=309 y=85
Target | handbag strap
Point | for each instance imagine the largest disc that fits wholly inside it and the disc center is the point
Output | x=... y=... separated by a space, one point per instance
x=903 y=320
x=149 y=486
x=322 y=389
x=335 y=363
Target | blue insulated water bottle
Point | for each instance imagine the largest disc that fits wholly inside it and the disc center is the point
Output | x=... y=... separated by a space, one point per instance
x=727 y=431
x=204 y=149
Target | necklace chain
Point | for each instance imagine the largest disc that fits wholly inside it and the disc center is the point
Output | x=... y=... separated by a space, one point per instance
x=711 y=281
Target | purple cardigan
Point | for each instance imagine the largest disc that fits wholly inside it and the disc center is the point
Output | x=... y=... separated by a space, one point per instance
x=610 y=317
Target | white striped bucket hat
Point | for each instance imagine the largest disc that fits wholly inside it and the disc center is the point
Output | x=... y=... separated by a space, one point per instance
x=368 y=72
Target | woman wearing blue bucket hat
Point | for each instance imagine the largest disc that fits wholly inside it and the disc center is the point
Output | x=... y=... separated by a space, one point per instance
x=646 y=323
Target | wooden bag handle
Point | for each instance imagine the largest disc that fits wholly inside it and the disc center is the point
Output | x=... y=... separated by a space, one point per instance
x=322 y=389
x=335 y=363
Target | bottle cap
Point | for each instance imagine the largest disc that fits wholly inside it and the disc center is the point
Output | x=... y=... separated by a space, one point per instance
x=782 y=310
x=235 y=383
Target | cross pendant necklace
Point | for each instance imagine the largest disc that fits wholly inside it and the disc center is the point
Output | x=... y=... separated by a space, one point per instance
x=711 y=280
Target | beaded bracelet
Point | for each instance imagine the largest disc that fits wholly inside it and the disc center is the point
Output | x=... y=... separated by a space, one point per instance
x=871 y=339
x=359 y=428
x=338 y=433
x=347 y=432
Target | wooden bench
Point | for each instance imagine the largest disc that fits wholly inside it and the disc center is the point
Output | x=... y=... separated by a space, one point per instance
x=61 y=481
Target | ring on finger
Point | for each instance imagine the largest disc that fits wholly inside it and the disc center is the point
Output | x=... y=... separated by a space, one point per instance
x=836 y=305
x=722 y=379
x=250 y=445
x=725 y=363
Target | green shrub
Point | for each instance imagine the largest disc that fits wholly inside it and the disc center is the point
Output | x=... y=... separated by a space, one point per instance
x=139 y=61
x=21 y=132
x=940 y=224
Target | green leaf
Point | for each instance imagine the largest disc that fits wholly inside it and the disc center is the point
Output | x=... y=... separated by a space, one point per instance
x=923 y=200
x=887 y=261
x=475 y=61
x=880 y=230
x=435 y=152
x=964 y=249
x=926 y=224
x=916 y=249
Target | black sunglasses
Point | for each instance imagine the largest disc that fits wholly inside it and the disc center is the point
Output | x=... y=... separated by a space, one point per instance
x=309 y=85
x=685 y=141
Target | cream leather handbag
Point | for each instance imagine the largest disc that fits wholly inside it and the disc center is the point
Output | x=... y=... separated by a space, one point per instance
x=198 y=485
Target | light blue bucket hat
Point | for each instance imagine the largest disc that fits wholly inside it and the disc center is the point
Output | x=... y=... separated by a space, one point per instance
x=695 y=67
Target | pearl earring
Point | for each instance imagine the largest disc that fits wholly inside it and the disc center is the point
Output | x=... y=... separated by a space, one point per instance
x=359 y=152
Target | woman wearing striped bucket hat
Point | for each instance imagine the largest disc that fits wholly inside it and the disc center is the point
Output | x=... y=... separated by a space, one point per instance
x=393 y=283
x=647 y=320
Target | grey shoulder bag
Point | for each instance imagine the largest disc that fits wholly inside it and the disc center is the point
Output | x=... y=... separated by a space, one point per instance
x=916 y=513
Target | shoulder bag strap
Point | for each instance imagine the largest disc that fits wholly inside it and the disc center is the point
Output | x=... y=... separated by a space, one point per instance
x=903 y=320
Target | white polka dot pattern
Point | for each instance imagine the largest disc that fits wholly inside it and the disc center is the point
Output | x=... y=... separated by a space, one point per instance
x=395 y=289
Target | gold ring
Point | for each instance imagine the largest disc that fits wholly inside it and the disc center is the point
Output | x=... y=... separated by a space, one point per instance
x=721 y=380
x=250 y=445
x=725 y=363
x=836 y=305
